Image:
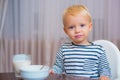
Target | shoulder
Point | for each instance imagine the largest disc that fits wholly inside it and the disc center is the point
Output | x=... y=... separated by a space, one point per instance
x=65 y=44
x=98 y=47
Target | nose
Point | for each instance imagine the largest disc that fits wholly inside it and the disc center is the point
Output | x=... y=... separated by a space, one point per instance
x=77 y=29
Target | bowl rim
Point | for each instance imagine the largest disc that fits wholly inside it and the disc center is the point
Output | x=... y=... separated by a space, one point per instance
x=27 y=70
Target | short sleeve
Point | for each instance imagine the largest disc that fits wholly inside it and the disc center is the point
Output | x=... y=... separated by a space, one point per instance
x=58 y=65
x=104 y=68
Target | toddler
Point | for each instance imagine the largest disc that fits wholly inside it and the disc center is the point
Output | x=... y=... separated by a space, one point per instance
x=80 y=57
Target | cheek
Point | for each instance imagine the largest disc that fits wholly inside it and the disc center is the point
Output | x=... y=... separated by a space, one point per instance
x=70 y=33
x=67 y=31
x=86 y=32
x=88 y=29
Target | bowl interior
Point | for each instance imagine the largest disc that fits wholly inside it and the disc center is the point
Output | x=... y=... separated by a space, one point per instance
x=31 y=68
x=34 y=72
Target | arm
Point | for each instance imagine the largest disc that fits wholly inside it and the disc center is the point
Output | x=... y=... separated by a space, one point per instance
x=104 y=78
x=104 y=69
x=58 y=65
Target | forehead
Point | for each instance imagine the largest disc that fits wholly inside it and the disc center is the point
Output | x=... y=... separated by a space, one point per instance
x=78 y=18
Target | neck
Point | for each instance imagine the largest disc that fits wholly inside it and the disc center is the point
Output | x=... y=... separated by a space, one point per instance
x=85 y=43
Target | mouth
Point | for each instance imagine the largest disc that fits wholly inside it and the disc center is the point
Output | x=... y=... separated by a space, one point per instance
x=78 y=36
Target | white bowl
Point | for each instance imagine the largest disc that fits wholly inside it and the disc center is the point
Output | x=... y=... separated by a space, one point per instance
x=34 y=72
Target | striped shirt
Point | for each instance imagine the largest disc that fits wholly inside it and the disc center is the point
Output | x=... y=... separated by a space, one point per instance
x=82 y=60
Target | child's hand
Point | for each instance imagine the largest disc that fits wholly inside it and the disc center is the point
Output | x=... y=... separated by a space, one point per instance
x=51 y=72
x=104 y=78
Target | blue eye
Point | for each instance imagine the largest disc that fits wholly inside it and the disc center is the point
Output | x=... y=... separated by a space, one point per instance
x=82 y=25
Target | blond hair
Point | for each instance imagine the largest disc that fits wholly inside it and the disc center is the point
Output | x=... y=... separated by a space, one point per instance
x=77 y=9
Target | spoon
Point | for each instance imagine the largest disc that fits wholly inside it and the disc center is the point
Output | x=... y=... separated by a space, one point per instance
x=41 y=67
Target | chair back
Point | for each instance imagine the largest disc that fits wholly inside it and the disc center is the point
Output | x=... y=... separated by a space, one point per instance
x=113 y=56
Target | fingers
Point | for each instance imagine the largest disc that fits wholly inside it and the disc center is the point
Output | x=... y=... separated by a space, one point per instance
x=51 y=72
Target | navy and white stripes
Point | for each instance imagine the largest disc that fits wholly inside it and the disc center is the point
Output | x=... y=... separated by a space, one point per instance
x=82 y=60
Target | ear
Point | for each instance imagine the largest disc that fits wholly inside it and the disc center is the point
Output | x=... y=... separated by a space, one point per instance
x=90 y=26
x=65 y=30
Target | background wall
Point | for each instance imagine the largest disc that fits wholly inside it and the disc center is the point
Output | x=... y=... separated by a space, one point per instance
x=35 y=27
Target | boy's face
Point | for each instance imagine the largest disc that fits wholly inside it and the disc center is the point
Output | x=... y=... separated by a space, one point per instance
x=77 y=28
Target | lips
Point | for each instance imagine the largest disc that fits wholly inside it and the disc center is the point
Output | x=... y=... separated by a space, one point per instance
x=78 y=36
